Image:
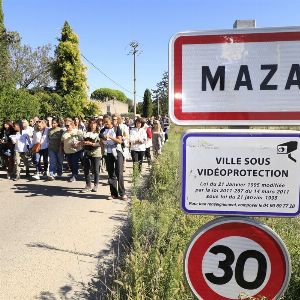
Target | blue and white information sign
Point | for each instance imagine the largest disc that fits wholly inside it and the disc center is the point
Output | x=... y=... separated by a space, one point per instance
x=241 y=172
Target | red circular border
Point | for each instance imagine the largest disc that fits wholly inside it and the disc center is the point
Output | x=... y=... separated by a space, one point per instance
x=201 y=243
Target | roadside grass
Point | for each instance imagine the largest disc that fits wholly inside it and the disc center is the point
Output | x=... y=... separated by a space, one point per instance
x=152 y=267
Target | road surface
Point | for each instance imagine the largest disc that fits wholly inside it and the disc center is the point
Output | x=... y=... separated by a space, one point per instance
x=52 y=236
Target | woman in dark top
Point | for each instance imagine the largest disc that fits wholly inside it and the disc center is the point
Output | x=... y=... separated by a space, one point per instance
x=7 y=147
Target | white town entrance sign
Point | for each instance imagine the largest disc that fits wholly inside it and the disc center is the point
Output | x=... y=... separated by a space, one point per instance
x=237 y=77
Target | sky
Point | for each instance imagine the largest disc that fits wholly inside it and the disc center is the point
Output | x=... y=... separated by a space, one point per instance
x=106 y=28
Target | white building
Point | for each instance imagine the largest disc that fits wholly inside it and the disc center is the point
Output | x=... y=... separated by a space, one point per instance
x=113 y=106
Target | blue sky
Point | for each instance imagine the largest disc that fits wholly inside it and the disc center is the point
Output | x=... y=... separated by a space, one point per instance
x=106 y=28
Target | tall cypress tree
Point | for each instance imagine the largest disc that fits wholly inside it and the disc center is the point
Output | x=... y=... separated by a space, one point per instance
x=69 y=72
x=147 y=104
x=4 y=56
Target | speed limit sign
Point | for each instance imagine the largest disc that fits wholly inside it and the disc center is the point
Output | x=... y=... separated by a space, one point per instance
x=230 y=257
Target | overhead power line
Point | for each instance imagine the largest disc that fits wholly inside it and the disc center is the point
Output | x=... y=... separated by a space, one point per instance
x=108 y=77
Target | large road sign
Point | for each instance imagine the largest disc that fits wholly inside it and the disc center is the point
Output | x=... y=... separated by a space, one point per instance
x=237 y=76
x=241 y=172
x=229 y=257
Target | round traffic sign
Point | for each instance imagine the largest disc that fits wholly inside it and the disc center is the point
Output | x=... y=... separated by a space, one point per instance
x=230 y=257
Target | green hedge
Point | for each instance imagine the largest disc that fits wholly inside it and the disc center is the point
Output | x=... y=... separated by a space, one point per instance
x=153 y=267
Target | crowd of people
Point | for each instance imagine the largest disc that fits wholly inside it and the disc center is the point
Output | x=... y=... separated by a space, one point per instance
x=95 y=145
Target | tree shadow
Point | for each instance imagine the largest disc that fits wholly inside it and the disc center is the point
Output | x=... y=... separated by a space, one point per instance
x=44 y=246
x=33 y=190
x=45 y=296
x=100 y=285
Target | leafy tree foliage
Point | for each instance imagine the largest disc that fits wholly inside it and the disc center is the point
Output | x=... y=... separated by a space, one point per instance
x=68 y=70
x=161 y=95
x=5 y=40
x=147 y=104
x=52 y=104
x=17 y=104
x=70 y=76
x=130 y=105
x=139 y=108
x=32 y=68
x=104 y=94
x=93 y=108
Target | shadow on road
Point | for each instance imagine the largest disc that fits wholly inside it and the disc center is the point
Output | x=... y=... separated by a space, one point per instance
x=53 y=248
x=99 y=286
x=53 y=191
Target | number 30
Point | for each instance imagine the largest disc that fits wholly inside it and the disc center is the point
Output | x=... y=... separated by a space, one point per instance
x=225 y=265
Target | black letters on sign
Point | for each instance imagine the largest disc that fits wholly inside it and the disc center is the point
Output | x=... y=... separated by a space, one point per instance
x=213 y=80
x=295 y=70
x=261 y=272
x=244 y=71
x=264 y=86
x=226 y=264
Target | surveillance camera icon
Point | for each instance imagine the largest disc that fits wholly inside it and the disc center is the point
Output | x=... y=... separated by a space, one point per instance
x=288 y=148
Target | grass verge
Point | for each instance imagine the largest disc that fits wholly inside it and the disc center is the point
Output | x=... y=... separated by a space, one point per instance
x=153 y=265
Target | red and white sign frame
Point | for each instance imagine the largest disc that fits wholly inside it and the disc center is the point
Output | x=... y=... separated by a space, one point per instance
x=176 y=44
x=221 y=228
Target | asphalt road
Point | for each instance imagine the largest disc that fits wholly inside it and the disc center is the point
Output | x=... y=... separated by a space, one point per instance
x=52 y=236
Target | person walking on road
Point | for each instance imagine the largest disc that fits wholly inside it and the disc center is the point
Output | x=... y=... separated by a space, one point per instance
x=92 y=156
x=39 y=148
x=7 y=147
x=56 y=155
x=148 y=143
x=21 y=141
x=157 y=138
x=138 y=140
x=71 y=146
x=112 y=138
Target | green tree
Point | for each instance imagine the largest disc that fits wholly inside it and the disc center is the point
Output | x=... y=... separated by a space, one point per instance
x=139 y=108
x=161 y=96
x=70 y=74
x=68 y=70
x=147 y=104
x=103 y=94
x=130 y=105
x=92 y=109
x=18 y=104
x=51 y=104
x=5 y=40
x=31 y=67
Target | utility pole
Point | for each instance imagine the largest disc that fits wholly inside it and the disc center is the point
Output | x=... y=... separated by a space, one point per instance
x=134 y=51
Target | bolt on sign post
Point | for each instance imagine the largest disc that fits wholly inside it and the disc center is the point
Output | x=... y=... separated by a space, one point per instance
x=230 y=257
x=247 y=76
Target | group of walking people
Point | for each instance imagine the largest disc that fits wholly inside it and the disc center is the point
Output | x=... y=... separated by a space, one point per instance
x=98 y=143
